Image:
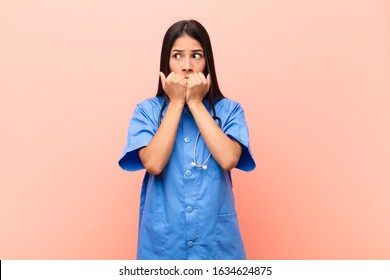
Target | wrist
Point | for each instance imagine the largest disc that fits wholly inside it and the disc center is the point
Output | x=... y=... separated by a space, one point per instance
x=195 y=104
x=177 y=103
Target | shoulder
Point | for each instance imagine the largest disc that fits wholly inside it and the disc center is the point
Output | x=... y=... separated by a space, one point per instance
x=228 y=105
x=151 y=104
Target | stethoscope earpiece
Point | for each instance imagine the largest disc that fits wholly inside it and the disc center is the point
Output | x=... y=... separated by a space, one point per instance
x=203 y=166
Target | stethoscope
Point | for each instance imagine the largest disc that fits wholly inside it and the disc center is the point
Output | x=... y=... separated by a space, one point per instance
x=215 y=117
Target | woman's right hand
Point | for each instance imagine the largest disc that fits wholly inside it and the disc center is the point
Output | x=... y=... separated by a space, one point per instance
x=175 y=86
x=156 y=154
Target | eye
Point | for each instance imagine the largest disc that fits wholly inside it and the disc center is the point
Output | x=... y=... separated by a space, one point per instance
x=197 y=56
x=176 y=55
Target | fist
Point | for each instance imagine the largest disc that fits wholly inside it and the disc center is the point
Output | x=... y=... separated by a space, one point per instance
x=197 y=87
x=175 y=86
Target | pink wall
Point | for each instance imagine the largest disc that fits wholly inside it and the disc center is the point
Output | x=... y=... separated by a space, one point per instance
x=313 y=77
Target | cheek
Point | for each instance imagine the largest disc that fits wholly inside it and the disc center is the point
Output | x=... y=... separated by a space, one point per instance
x=200 y=66
x=173 y=66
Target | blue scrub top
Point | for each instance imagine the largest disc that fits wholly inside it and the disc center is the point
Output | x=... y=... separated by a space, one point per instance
x=187 y=212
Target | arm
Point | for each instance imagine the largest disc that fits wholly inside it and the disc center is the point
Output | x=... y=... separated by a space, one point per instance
x=156 y=154
x=226 y=151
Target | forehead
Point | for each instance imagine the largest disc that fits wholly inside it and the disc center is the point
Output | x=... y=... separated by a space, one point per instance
x=186 y=42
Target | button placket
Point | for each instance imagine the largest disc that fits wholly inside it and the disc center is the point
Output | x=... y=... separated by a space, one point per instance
x=190 y=188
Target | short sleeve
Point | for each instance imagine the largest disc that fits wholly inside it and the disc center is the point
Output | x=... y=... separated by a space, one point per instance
x=236 y=128
x=141 y=130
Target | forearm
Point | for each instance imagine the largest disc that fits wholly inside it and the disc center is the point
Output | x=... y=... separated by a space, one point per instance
x=225 y=150
x=157 y=153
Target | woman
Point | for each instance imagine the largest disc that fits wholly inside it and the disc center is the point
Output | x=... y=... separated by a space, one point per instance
x=188 y=138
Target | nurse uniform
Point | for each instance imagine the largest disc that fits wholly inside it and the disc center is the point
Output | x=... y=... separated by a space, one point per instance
x=187 y=212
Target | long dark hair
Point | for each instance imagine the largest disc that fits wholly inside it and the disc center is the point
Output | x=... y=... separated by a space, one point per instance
x=195 y=30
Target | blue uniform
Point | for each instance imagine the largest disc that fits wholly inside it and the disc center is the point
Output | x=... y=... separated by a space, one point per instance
x=187 y=212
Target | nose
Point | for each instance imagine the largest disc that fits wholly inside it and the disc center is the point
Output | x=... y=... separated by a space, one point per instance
x=187 y=65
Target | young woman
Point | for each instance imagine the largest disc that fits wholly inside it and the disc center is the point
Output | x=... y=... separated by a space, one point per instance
x=188 y=138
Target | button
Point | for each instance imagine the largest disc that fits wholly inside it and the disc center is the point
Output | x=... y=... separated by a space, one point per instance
x=186 y=110
x=187 y=139
x=188 y=173
x=189 y=209
x=190 y=243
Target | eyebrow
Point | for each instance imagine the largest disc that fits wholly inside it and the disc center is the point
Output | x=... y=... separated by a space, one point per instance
x=197 y=50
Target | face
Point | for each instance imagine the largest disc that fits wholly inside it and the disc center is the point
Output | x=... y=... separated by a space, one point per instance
x=187 y=56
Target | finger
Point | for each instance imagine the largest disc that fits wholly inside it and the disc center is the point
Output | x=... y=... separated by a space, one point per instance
x=208 y=82
x=198 y=78
x=191 y=80
x=180 y=77
x=183 y=81
x=171 y=77
x=162 y=77
x=203 y=79
x=176 y=78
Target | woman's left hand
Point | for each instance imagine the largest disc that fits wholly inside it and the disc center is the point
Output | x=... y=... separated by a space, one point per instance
x=197 y=87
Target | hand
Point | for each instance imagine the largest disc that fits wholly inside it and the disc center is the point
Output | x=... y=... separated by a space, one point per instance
x=175 y=86
x=197 y=87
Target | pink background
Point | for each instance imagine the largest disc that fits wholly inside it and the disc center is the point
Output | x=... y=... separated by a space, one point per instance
x=313 y=77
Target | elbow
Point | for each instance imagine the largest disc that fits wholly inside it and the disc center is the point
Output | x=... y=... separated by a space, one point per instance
x=154 y=172
x=228 y=165
x=230 y=160
x=154 y=169
x=150 y=163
